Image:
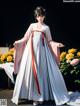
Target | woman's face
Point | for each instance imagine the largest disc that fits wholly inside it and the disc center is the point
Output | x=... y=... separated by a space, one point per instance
x=40 y=18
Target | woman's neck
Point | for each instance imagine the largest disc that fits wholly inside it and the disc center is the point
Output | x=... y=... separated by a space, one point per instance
x=40 y=23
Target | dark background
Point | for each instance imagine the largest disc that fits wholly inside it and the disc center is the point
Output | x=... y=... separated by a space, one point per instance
x=63 y=19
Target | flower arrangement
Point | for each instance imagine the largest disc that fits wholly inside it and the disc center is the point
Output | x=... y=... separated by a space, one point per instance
x=7 y=57
x=70 y=68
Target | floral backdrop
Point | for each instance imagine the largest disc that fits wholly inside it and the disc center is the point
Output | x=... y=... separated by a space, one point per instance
x=70 y=68
x=7 y=57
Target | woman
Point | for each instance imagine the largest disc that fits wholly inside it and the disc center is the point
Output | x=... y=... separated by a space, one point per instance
x=39 y=77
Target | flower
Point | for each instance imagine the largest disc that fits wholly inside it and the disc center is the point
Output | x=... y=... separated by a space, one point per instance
x=3 y=57
x=69 y=56
x=74 y=62
x=7 y=57
x=62 y=56
x=78 y=54
x=68 y=61
x=70 y=67
x=72 y=50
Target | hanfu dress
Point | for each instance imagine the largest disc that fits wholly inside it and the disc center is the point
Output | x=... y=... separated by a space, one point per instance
x=39 y=77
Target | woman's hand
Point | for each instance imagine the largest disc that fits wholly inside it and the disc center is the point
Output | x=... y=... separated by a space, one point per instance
x=52 y=43
x=16 y=42
x=60 y=45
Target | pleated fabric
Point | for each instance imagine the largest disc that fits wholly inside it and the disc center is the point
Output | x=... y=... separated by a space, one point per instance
x=39 y=77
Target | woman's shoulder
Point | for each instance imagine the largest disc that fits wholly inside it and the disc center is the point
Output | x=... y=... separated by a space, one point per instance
x=46 y=26
x=32 y=24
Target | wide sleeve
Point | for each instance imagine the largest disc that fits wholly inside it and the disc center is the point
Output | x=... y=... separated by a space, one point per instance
x=19 y=49
x=48 y=34
x=28 y=32
x=53 y=46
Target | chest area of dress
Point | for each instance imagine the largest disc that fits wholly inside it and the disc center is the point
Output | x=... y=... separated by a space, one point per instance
x=38 y=31
x=38 y=35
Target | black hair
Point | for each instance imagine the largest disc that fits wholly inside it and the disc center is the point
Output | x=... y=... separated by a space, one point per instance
x=39 y=11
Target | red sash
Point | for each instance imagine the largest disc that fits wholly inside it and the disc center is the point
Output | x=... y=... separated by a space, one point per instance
x=34 y=63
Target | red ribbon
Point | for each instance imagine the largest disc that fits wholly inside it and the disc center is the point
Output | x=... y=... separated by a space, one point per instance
x=43 y=38
x=34 y=66
x=33 y=60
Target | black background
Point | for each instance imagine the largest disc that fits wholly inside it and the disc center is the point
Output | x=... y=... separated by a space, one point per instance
x=63 y=19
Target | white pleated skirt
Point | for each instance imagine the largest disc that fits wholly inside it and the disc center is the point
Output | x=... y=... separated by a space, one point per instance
x=51 y=82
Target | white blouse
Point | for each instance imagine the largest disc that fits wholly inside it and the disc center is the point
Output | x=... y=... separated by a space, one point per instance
x=45 y=28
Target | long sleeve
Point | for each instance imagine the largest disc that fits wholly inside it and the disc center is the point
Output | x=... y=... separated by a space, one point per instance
x=53 y=46
x=19 y=48
x=28 y=33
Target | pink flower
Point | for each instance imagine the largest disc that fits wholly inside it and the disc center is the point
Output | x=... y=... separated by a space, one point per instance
x=74 y=62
